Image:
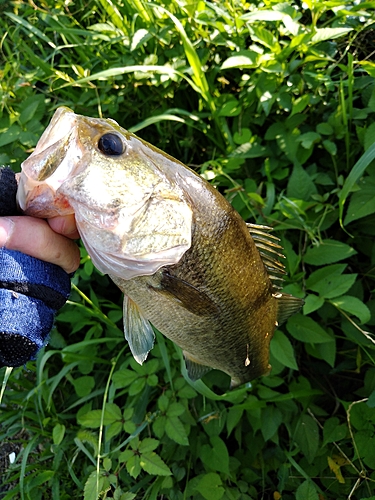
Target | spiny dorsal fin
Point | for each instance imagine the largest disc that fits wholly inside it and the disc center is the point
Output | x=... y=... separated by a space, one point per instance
x=287 y=306
x=270 y=251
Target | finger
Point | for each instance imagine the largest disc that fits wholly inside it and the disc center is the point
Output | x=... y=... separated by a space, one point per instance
x=65 y=225
x=35 y=237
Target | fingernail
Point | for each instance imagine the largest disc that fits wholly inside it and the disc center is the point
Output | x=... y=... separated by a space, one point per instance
x=6 y=229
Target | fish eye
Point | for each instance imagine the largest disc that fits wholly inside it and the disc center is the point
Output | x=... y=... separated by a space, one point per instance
x=111 y=144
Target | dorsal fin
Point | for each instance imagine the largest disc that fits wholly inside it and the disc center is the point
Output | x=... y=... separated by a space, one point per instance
x=270 y=251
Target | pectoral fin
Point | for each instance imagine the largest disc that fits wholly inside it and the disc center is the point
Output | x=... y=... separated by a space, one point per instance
x=138 y=331
x=191 y=298
x=195 y=370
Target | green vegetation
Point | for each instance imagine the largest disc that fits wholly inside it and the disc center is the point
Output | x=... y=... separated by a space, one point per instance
x=274 y=103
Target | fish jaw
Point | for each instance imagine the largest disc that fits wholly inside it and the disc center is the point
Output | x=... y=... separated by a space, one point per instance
x=46 y=169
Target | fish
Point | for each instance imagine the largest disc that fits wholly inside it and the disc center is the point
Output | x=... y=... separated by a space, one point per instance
x=185 y=260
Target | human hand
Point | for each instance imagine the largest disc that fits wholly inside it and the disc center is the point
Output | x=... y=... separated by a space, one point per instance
x=35 y=259
x=50 y=241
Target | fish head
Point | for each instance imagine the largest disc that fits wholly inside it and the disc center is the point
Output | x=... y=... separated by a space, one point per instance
x=132 y=217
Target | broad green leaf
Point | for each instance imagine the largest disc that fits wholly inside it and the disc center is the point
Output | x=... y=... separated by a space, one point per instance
x=153 y=464
x=308 y=139
x=362 y=202
x=263 y=15
x=123 y=378
x=333 y=431
x=175 y=410
x=327 y=252
x=93 y=486
x=283 y=351
x=147 y=445
x=307 y=491
x=242 y=59
x=10 y=135
x=210 y=487
x=58 y=433
x=271 y=421
x=325 y=351
x=326 y=272
x=176 y=431
x=353 y=305
x=140 y=37
x=306 y=329
x=307 y=436
x=300 y=185
x=300 y=104
x=84 y=385
x=329 y=283
x=133 y=465
x=330 y=146
x=230 y=108
x=324 y=128
x=322 y=34
x=312 y=303
x=216 y=456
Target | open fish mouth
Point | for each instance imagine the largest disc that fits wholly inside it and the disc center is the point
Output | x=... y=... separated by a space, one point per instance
x=48 y=167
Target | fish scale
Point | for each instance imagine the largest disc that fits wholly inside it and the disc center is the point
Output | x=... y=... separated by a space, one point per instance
x=185 y=260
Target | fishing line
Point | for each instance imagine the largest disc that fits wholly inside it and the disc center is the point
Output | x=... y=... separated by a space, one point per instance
x=8 y=371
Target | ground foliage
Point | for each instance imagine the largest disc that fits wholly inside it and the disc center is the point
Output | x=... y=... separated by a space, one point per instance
x=274 y=103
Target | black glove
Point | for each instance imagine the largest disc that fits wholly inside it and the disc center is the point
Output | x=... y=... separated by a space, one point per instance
x=31 y=291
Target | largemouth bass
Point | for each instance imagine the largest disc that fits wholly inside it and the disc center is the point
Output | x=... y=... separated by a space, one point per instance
x=185 y=260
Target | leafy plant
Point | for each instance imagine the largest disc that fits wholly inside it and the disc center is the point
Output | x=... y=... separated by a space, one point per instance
x=274 y=103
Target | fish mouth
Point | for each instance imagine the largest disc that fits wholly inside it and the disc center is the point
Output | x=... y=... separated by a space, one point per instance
x=47 y=168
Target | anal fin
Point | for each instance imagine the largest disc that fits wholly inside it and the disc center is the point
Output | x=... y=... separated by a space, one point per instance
x=195 y=369
x=138 y=331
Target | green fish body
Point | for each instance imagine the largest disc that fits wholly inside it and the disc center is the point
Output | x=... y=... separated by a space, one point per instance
x=185 y=260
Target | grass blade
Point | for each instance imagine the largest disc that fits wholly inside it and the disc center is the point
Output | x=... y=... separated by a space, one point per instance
x=356 y=172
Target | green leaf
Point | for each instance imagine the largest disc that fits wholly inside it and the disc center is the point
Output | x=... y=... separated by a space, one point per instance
x=329 y=282
x=300 y=185
x=148 y=444
x=362 y=202
x=307 y=491
x=216 y=456
x=175 y=410
x=283 y=351
x=330 y=146
x=307 y=436
x=10 y=135
x=333 y=431
x=271 y=421
x=133 y=465
x=322 y=34
x=312 y=303
x=176 y=431
x=308 y=139
x=58 y=433
x=327 y=252
x=355 y=173
x=242 y=59
x=84 y=385
x=306 y=329
x=324 y=128
x=93 y=487
x=210 y=487
x=353 y=305
x=153 y=464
